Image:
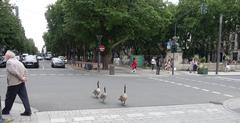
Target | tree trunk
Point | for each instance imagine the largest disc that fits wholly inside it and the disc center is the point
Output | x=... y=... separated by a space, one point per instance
x=106 y=59
x=84 y=53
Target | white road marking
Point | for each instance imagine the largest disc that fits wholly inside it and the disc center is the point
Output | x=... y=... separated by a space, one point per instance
x=211 y=83
x=197 y=88
x=205 y=90
x=172 y=82
x=222 y=85
x=79 y=119
x=215 y=92
x=187 y=86
x=228 y=95
x=213 y=110
x=157 y=113
x=177 y=112
x=135 y=115
x=59 y=120
x=179 y=84
x=165 y=81
x=195 y=111
x=110 y=116
x=228 y=79
x=232 y=87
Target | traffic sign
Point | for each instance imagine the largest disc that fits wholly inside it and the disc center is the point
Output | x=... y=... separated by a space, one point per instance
x=101 y=47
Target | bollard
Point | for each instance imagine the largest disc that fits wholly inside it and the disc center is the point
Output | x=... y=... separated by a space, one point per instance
x=111 y=70
x=158 y=70
x=1 y=119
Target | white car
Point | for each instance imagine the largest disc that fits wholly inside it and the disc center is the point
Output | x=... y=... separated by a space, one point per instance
x=39 y=58
x=63 y=58
x=57 y=62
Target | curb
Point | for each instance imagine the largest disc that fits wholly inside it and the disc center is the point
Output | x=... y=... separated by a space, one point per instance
x=232 y=104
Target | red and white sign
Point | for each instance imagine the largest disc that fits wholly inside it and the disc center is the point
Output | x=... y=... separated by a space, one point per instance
x=101 y=47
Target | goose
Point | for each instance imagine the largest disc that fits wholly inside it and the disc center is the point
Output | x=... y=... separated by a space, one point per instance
x=123 y=97
x=103 y=96
x=97 y=91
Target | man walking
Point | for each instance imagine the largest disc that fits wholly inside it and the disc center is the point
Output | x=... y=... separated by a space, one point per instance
x=153 y=62
x=16 y=78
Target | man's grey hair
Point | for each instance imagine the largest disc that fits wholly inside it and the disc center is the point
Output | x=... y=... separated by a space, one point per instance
x=10 y=54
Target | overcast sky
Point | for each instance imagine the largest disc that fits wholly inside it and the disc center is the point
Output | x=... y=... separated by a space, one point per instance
x=31 y=13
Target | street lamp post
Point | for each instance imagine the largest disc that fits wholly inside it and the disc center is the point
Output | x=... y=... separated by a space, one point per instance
x=219 y=42
x=99 y=38
x=173 y=49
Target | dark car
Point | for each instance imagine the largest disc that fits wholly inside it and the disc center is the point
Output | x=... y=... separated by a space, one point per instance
x=30 y=61
x=2 y=62
x=57 y=62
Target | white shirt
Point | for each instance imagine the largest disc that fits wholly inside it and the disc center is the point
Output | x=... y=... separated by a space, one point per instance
x=153 y=61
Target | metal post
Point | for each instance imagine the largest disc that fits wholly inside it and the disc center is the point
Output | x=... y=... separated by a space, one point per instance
x=99 y=60
x=219 y=42
x=99 y=37
x=173 y=64
x=1 y=119
x=175 y=29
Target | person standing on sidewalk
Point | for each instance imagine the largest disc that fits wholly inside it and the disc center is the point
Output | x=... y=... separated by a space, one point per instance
x=153 y=62
x=134 y=65
x=16 y=78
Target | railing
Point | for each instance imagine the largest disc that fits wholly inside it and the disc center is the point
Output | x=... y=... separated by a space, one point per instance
x=82 y=64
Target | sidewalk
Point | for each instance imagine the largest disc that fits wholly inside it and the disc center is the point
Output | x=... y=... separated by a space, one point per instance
x=195 y=113
x=224 y=73
x=233 y=104
x=15 y=116
x=125 y=71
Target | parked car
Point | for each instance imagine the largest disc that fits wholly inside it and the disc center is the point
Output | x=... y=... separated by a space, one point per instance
x=48 y=56
x=39 y=58
x=63 y=58
x=2 y=62
x=31 y=61
x=57 y=62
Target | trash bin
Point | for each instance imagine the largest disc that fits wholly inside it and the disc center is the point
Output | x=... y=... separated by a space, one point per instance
x=88 y=66
x=111 y=70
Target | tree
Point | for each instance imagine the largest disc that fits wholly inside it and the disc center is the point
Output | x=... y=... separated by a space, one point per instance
x=12 y=35
x=135 y=22
x=203 y=28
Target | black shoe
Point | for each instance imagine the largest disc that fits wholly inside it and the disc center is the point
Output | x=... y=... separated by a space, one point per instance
x=26 y=114
x=5 y=113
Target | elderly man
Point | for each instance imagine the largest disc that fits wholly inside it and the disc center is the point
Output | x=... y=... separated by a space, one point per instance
x=16 y=78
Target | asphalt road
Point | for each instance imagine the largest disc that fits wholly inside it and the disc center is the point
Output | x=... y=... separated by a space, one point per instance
x=55 y=89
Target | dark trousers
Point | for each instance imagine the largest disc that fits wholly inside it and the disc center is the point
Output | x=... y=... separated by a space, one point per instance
x=153 y=65
x=12 y=92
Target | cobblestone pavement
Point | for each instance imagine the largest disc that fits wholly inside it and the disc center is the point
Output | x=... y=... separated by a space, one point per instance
x=15 y=117
x=197 y=113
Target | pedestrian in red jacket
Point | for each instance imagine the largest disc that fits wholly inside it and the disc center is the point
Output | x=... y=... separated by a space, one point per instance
x=134 y=65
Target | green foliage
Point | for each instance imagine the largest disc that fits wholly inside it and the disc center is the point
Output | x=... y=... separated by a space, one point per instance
x=75 y=23
x=202 y=60
x=12 y=35
x=204 y=27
